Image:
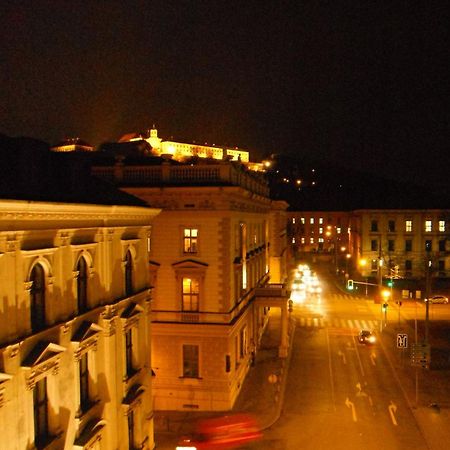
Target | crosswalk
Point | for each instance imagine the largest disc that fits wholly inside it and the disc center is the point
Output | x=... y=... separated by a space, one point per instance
x=337 y=325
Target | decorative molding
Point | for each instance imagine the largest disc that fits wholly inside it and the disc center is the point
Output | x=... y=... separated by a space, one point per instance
x=12 y=350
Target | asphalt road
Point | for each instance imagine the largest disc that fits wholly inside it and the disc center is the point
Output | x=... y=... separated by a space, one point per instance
x=341 y=394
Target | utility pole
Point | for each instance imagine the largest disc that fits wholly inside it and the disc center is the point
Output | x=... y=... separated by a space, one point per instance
x=427 y=296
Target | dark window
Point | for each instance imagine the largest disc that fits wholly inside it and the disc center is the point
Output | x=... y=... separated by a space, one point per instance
x=441 y=268
x=391 y=245
x=84 y=382
x=128 y=274
x=428 y=246
x=190 y=361
x=374 y=245
x=37 y=278
x=374 y=265
x=82 y=285
x=442 y=245
x=40 y=409
x=374 y=225
x=129 y=352
x=408 y=245
x=130 y=420
x=391 y=226
x=408 y=265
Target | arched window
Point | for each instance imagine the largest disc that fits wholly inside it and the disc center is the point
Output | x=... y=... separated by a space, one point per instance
x=82 y=285
x=128 y=274
x=37 y=295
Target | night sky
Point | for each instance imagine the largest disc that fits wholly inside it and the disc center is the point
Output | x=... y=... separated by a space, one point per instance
x=360 y=83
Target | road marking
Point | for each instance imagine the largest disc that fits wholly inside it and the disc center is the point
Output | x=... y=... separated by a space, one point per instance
x=392 y=410
x=350 y=405
x=341 y=354
x=373 y=359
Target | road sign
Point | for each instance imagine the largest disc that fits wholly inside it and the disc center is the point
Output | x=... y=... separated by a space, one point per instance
x=402 y=340
x=420 y=355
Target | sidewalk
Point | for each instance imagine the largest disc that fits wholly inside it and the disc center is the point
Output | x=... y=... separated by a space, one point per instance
x=258 y=396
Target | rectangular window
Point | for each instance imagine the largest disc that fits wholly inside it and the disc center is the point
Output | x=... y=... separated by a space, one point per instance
x=130 y=420
x=302 y=220
x=428 y=245
x=190 y=240
x=243 y=343
x=311 y=220
x=391 y=245
x=408 y=245
x=84 y=382
x=190 y=294
x=428 y=226
x=321 y=240
x=441 y=268
x=408 y=265
x=338 y=230
x=311 y=240
x=442 y=245
x=190 y=361
x=302 y=240
x=374 y=225
x=374 y=245
x=320 y=220
x=408 y=226
x=129 y=352
x=293 y=240
x=320 y=230
x=40 y=409
x=442 y=226
x=391 y=226
x=374 y=266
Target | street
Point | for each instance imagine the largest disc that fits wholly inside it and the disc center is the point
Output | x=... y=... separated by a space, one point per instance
x=344 y=395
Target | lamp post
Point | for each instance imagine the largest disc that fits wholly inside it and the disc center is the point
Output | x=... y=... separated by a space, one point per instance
x=362 y=263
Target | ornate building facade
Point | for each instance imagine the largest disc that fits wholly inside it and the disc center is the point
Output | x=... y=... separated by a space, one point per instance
x=75 y=326
x=218 y=264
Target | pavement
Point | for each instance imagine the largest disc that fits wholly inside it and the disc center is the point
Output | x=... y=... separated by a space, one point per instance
x=265 y=406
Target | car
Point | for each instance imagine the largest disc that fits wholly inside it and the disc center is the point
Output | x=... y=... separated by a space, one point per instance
x=439 y=299
x=226 y=432
x=366 y=337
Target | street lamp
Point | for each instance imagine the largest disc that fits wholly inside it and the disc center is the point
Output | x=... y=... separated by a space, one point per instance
x=363 y=263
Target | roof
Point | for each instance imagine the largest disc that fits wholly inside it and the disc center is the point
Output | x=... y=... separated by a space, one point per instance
x=29 y=170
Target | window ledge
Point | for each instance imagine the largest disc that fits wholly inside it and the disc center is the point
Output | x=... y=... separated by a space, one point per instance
x=131 y=375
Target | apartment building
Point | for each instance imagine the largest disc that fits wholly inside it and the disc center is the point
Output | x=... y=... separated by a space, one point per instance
x=218 y=258
x=404 y=240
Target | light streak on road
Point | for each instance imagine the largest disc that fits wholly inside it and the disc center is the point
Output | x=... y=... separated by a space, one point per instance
x=392 y=410
x=373 y=359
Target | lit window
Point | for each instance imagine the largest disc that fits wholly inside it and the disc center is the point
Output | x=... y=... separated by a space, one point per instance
x=293 y=240
x=311 y=240
x=428 y=245
x=442 y=226
x=190 y=294
x=293 y=220
x=338 y=230
x=190 y=361
x=302 y=240
x=190 y=240
x=149 y=243
x=321 y=240
x=428 y=226
x=408 y=226
x=302 y=220
x=320 y=230
x=311 y=220
x=320 y=220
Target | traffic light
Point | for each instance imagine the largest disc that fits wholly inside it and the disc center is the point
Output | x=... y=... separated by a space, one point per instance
x=390 y=283
x=385 y=307
x=350 y=285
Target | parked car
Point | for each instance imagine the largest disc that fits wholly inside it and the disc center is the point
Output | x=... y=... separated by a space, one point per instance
x=219 y=433
x=439 y=299
x=366 y=337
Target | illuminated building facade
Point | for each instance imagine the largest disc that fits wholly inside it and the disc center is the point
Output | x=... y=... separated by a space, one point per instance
x=218 y=262
x=75 y=307
x=404 y=239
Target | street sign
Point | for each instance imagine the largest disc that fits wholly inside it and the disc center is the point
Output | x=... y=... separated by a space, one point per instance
x=420 y=355
x=402 y=340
